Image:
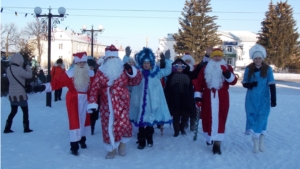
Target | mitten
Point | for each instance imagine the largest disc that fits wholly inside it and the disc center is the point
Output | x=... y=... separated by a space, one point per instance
x=39 y=88
x=273 y=94
x=128 y=68
x=90 y=111
x=254 y=84
x=248 y=85
x=273 y=103
x=224 y=68
x=162 y=61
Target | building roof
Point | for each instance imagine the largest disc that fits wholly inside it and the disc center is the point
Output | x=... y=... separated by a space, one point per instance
x=245 y=36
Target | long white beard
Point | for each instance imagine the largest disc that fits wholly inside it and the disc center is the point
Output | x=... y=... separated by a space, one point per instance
x=81 y=78
x=213 y=74
x=112 y=69
x=191 y=67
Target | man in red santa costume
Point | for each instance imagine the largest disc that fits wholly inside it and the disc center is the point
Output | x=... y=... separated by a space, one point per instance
x=211 y=92
x=111 y=81
x=77 y=80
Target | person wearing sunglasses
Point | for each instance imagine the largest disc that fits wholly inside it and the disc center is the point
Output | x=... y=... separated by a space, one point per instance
x=211 y=94
x=179 y=94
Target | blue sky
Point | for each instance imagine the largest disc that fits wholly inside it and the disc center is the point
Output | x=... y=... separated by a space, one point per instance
x=132 y=27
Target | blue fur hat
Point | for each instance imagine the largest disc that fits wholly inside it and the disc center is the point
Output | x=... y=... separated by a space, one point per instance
x=146 y=55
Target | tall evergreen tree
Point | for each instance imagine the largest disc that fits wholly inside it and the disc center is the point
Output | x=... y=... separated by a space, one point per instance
x=198 y=29
x=278 y=34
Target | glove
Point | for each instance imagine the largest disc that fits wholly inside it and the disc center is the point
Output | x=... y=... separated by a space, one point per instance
x=39 y=88
x=90 y=111
x=128 y=68
x=273 y=103
x=254 y=84
x=162 y=61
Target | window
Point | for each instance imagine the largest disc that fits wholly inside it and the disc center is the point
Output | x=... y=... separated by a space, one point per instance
x=229 y=61
x=78 y=47
x=60 y=46
x=84 y=48
x=229 y=49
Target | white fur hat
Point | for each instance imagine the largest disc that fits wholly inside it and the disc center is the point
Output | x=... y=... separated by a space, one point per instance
x=257 y=51
x=187 y=56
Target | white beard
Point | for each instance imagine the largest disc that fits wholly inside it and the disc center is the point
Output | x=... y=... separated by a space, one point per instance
x=112 y=69
x=213 y=74
x=81 y=78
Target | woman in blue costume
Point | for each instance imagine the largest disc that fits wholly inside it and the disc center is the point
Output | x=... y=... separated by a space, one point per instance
x=261 y=94
x=148 y=105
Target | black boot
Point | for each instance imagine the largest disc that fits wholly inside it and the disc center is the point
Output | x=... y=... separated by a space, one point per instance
x=149 y=135
x=26 y=127
x=82 y=142
x=217 y=147
x=7 y=127
x=141 y=138
x=74 y=148
x=176 y=133
x=182 y=127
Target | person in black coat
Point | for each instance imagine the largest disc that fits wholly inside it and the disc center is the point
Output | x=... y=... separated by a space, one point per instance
x=179 y=95
x=42 y=76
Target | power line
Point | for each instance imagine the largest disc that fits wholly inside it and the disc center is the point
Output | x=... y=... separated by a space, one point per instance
x=139 y=10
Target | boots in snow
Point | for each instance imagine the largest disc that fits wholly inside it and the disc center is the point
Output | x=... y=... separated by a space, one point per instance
x=262 y=143
x=7 y=127
x=111 y=154
x=82 y=142
x=176 y=133
x=141 y=141
x=255 y=144
x=74 y=148
x=192 y=124
x=149 y=135
x=26 y=127
x=122 y=149
x=182 y=127
x=217 y=147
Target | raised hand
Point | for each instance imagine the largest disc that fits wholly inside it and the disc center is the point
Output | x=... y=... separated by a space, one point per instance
x=128 y=68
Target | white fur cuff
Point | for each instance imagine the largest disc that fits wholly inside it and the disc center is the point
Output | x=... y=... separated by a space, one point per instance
x=197 y=95
x=48 y=87
x=134 y=72
x=91 y=106
x=231 y=79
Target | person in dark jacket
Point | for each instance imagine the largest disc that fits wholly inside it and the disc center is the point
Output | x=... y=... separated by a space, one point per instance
x=42 y=76
x=179 y=94
x=17 y=96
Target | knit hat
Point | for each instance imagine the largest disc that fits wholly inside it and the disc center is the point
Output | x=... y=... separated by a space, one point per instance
x=187 y=56
x=80 y=57
x=111 y=51
x=217 y=52
x=257 y=51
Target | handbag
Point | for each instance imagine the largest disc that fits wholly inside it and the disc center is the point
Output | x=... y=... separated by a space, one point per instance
x=27 y=87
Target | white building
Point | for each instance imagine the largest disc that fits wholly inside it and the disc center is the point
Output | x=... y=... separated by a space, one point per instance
x=65 y=43
x=236 y=45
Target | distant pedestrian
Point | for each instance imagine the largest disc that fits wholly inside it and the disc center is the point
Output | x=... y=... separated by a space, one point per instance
x=57 y=70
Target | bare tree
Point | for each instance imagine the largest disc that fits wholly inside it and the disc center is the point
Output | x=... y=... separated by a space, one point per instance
x=35 y=31
x=9 y=38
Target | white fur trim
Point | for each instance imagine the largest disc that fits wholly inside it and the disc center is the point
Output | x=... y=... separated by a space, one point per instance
x=134 y=72
x=82 y=59
x=111 y=120
x=48 y=87
x=188 y=57
x=231 y=78
x=111 y=53
x=91 y=73
x=197 y=94
x=91 y=106
x=215 y=116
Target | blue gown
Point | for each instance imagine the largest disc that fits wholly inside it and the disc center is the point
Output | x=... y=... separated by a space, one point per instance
x=257 y=102
x=148 y=105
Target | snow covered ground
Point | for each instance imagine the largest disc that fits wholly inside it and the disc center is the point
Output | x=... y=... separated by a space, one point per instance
x=47 y=147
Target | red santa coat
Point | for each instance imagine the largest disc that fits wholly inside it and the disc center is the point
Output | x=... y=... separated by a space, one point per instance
x=114 y=107
x=215 y=105
x=76 y=102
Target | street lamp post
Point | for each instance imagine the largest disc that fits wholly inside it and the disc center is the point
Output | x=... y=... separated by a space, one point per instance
x=49 y=16
x=100 y=30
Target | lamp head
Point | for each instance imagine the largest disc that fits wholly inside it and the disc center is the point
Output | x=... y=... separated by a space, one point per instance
x=100 y=27
x=84 y=27
x=37 y=10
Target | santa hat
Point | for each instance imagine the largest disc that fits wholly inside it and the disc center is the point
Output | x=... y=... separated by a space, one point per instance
x=258 y=51
x=111 y=51
x=187 y=56
x=80 y=57
x=217 y=52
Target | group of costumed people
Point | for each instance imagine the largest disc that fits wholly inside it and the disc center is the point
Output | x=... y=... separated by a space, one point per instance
x=131 y=93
